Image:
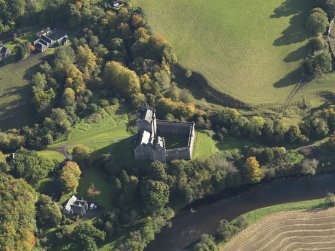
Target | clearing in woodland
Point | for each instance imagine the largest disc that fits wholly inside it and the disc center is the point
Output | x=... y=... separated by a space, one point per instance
x=250 y=50
x=293 y=230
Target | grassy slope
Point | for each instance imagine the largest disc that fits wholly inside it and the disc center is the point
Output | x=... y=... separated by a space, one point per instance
x=240 y=46
x=15 y=98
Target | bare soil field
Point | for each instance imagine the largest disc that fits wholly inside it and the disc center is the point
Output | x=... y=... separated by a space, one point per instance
x=293 y=230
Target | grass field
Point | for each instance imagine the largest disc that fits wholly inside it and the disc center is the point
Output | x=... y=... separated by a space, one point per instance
x=311 y=226
x=15 y=95
x=250 y=50
x=205 y=145
x=52 y=155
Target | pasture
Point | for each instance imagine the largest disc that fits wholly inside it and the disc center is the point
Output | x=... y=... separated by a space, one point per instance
x=250 y=50
x=311 y=229
x=15 y=95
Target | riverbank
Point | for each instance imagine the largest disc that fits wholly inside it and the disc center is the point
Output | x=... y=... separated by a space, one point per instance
x=188 y=225
x=302 y=225
x=253 y=217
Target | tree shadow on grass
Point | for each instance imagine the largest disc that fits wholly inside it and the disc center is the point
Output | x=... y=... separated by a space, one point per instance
x=201 y=88
x=296 y=55
x=19 y=112
x=290 y=79
x=295 y=32
x=122 y=155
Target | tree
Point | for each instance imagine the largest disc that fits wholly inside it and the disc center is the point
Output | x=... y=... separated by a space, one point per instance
x=17 y=214
x=156 y=195
x=309 y=166
x=316 y=44
x=122 y=79
x=317 y=21
x=330 y=199
x=86 y=58
x=81 y=154
x=87 y=235
x=70 y=176
x=30 y=166
x=329 y=7
x=48 y=212
x=207 y=243
x=253 y=170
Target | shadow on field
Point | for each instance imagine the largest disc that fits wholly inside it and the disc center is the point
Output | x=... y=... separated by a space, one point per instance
x=295 y=31
x=290 y=79
x=296 y=55
x=18 y=112
x=200 y=88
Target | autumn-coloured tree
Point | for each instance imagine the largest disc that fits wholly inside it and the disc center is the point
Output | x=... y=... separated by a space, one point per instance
x=253 y=170
x=86 y=58
x=70 y=176
x=122 y=79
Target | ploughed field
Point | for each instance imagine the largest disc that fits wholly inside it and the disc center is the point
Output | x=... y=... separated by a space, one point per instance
x=250 y=50
x=293 y=230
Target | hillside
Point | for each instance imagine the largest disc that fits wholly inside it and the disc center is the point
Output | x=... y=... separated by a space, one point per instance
x=249 y=50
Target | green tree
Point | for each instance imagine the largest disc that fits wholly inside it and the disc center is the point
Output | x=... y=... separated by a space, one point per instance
x=156 y=195
x=87 y=235
x=207 y=243
x=30 y=166
x=81 y=154
x=48 y=212
x=317 y=21
x=330 y=199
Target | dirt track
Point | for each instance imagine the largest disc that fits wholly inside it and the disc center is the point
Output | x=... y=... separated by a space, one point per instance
x=296 y=230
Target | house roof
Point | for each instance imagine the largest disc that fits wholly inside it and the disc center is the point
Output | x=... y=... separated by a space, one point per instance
x=145 y=138
x=57 y=35
x=70 y=202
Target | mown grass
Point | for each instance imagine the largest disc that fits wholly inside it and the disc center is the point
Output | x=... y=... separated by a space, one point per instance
x=250 y=50
x=52 y=155
x=205 y=145
x=15 y=94
x=99 y=133
x=96 y=177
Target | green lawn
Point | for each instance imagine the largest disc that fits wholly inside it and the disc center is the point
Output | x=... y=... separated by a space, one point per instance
x=98 y=134
x=175 y=141
x=15 y=94
x=205 y=145
x=96 y=176
x=250 y=50
x=52 y=155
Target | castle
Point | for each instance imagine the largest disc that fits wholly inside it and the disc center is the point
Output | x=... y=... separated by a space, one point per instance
x=155 y=136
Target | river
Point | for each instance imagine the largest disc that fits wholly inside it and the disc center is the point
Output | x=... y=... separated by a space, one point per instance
x=188 y=226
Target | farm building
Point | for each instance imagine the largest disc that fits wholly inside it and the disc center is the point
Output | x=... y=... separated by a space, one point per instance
x=74 y=206
x=4 y=52
x=48 y=38
x=154 y=135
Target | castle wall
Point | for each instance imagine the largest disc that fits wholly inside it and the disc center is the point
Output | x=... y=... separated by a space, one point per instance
x=178 y=153
x=175 y=128
x=147 y=152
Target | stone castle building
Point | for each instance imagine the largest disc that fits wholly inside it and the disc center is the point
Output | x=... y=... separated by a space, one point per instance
x=153 y=135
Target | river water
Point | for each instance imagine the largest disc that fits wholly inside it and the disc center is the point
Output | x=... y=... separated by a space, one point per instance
x=188 y=226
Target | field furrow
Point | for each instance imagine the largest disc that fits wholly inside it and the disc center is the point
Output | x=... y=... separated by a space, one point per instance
x=295 y=230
